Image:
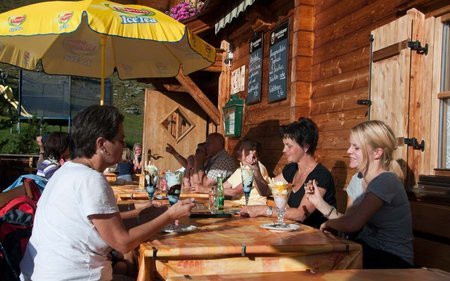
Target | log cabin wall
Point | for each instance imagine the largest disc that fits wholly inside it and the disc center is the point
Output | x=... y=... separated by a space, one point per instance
x=340 y=75
x=261 y=120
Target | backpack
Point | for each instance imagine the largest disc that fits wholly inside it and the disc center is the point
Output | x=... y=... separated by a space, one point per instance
x=16 y=223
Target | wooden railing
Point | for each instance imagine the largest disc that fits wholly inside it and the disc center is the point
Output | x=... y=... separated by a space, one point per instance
x=14 y=165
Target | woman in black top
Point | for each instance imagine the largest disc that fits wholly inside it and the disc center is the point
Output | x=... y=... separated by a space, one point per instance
x=300 y=141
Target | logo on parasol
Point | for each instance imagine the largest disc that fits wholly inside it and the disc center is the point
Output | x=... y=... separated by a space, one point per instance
x=137 y=15
x=16 y=22
x=79 y=47
x=65 y=17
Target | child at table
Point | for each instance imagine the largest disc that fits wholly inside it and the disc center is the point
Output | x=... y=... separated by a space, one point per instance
x=249 y=152
x=125 y=167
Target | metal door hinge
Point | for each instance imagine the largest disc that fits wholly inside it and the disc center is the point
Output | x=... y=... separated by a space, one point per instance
x=414 y=143
x=364 y=102
x=416 y=46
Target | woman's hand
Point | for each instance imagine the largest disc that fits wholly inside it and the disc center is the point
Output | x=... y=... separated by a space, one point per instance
x=181 y=209
x=253 y=211
x=313 y=193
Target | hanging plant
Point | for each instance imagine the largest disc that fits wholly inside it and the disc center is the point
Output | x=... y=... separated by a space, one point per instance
x=185 y=10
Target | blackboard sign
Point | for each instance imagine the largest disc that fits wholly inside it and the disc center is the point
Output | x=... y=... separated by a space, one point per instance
x=255 y=69
x=278 y=63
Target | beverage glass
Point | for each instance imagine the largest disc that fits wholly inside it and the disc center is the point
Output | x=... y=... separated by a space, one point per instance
x=212 y=200
x=280 y=192
x=247 y=181
x=151 y=181
x=151 y=176
x=173 y=182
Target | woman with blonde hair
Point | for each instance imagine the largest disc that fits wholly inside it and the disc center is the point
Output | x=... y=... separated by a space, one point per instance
x=383 y=211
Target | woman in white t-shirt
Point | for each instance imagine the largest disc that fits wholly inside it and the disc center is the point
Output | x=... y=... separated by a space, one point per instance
x=77 y=222
x=249 y=151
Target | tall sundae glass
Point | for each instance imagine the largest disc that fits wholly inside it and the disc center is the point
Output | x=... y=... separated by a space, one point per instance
x=280 y=192
x=173 y=181
x=247 y=181
x=151 y=173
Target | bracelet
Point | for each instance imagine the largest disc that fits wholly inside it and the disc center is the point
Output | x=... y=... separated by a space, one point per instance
x=327 y=216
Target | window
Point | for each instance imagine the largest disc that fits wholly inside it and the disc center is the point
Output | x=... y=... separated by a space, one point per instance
x=444 y=96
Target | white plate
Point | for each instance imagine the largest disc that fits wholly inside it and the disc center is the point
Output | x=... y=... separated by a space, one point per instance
x=180 y=229
x=275 y=227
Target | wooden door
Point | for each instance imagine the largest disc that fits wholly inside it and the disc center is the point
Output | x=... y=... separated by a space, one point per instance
x=173 y=118
x=401 y=87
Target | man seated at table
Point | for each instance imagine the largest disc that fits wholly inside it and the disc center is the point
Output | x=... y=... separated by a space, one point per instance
x=218 y=163
x=248 y=153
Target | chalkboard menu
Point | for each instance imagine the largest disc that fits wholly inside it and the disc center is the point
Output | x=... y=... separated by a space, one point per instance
x=255 y=69
x=278 y=63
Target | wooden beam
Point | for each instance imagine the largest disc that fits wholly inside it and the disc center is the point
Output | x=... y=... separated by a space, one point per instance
x=200 y=97
x=175 y=88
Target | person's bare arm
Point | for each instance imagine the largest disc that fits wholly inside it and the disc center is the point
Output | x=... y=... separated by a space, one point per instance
x=314 y=196
x=41 y=149
x=304 y=210
x=112 y=230
x=180 y=159
x=230 y=191
x=357 y=216
x=260 y=183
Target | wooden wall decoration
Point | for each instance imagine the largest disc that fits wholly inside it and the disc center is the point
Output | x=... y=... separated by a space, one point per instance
x=163 y=112
x=278 y=62
x=255 y=69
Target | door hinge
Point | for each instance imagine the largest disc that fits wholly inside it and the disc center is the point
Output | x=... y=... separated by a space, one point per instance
x=416 y=46
x=364 y=102
x=414 y=143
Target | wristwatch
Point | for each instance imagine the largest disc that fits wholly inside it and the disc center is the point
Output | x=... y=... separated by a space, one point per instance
x=269 y=211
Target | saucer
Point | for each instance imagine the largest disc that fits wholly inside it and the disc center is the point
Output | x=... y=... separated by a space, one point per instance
x=276 y=227
x=180 y=229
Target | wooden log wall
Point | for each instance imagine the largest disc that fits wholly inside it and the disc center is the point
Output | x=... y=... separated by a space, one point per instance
x=340 y=75
x=261 y=120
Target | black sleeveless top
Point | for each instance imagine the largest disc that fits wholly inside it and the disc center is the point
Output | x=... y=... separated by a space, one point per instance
x=324 y=179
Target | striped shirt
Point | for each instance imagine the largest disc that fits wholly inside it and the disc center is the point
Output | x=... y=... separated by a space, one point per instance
x=47 y=168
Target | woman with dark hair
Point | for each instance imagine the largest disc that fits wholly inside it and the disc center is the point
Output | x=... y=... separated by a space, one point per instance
x=78 y=223
x=300 y=140
x=56 y=153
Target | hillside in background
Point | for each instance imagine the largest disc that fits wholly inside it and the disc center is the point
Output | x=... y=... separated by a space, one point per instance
x=128 y=96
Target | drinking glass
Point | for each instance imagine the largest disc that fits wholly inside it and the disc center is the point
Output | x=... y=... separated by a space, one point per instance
x=173 y=181
x=247 y=181
x=151 y=181
x=151 y=177
x=212 y=200
x=280 y=192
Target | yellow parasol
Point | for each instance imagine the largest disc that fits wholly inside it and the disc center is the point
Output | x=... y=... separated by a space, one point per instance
x=94 y=38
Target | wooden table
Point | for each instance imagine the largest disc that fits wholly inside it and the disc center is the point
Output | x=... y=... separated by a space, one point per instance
x=422 y=274
x=240 y=245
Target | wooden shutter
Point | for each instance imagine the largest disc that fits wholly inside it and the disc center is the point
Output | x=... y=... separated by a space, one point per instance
x=401 y=87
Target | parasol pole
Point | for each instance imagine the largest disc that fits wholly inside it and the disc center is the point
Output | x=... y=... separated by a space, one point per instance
x=102 y=77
